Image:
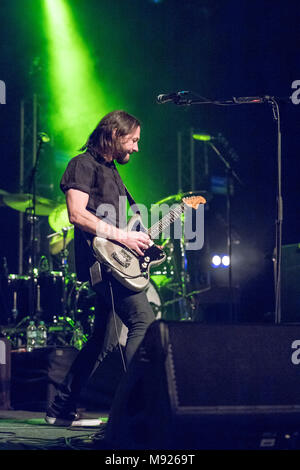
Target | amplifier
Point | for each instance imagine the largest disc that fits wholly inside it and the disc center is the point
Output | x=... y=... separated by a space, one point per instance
x=193 y=385
x=5 y=373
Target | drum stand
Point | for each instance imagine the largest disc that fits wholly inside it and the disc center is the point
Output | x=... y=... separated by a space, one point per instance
x=32 y=271
x=64 y=268
x=184 y=278
x=179 y=284
x=34 y=309
x=187 y=299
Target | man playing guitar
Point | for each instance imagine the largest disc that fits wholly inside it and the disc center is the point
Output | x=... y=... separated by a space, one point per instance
x=91 y=179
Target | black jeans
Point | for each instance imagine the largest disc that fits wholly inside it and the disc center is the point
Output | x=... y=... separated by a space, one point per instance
x=135 y=312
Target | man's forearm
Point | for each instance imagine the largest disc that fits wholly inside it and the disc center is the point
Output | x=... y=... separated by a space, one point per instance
x=88 y=222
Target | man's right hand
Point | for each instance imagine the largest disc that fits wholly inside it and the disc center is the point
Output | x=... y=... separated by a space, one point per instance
x=137 y=241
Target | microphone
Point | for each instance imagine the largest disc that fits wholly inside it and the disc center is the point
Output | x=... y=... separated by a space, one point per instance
x=173 y=97
x=43 y=137
x=180 y=97
x=251 y=99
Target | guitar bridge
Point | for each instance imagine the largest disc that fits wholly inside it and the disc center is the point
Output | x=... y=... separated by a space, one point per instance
x=125 y=262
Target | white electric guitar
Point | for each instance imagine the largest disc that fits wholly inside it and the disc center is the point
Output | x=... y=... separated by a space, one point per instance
x=131 y=269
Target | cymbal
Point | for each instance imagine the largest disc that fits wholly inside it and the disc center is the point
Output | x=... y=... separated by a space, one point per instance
x=2 y=192
x=22 y=201
x=58 y=219
x=179 y=196
x=57 y=243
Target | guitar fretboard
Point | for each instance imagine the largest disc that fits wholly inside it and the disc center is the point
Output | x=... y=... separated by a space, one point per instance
x=167 y=219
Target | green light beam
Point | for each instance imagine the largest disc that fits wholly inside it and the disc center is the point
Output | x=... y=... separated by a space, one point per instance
x=78 y=101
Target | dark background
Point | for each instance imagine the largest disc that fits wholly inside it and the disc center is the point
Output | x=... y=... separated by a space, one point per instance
x=217 y=49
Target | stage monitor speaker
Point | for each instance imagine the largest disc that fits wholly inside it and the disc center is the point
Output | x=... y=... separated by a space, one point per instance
x=199 y=386
x=35 y=376
x=290 y=283
x=5 y=373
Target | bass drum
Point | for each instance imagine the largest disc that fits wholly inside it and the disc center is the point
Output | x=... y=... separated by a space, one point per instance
x=155 y=302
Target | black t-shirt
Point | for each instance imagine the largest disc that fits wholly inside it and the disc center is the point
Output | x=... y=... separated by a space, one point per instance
x=102 y=182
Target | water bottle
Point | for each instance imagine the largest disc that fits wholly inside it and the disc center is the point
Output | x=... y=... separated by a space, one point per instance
x=31 y=336
x=77 y=338
x=41 y=335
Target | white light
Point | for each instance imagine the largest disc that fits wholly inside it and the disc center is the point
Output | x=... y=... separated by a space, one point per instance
x=225 y=260
x=216 y=260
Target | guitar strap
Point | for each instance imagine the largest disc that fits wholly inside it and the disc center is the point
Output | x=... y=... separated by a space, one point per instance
x=131 y=200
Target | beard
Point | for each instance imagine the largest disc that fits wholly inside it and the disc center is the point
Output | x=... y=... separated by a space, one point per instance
x=121 y=155
x=123 y=158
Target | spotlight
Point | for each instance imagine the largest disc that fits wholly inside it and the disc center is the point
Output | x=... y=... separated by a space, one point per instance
x=43 y=137
x=203 y=137
x=225 y=260
x=216 y=261
x=220 y=261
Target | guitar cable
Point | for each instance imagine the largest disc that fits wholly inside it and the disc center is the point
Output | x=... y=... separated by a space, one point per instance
x=116 y=326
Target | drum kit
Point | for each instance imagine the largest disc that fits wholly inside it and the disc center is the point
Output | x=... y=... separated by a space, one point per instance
x=58 y=298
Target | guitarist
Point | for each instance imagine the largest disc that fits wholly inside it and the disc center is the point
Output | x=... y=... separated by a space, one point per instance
x=91 y=179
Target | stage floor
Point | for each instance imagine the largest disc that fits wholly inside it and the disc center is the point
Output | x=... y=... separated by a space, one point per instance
x=27 y=430
x=24 y=431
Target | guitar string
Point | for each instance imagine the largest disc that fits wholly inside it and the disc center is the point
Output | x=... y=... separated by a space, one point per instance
x=164 y=224
x=159 y=226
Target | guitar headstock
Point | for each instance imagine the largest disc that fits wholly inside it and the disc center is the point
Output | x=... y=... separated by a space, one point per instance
x=194 y=201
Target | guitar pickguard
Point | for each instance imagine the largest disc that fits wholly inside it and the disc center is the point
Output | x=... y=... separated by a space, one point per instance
x=153 y=255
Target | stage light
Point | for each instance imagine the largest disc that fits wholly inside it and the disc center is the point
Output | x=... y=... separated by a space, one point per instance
x=220 y=261
x=225 y=261
x=43 y=137
x=202 y=137
x=216 y=261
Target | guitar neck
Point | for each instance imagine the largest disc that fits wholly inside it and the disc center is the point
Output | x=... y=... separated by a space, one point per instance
x=167 y=220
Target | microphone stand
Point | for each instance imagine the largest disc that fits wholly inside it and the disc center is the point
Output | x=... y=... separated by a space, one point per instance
x=32 y=218
x=279 y=218
x=187 y=98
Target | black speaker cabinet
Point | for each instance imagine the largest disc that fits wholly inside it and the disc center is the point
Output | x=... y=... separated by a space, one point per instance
x=5 y=373
x=199 y=386
x=290 y=283
x=35 y=376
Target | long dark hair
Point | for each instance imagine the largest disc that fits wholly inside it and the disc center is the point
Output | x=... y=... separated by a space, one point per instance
x=101 y=141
